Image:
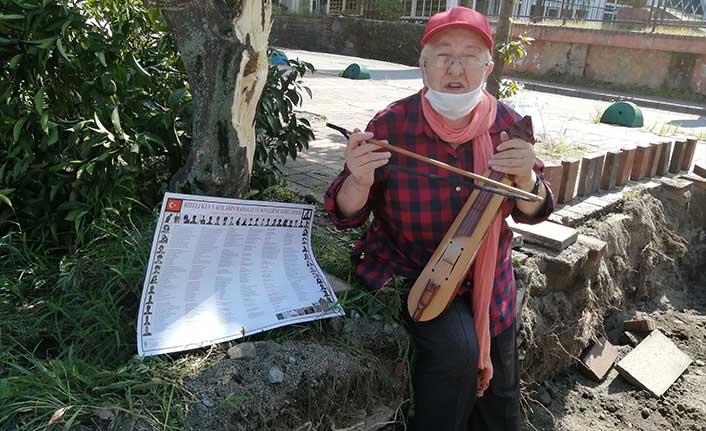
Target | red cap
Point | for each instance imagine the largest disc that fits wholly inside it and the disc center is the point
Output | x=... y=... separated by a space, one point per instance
x=459 y=17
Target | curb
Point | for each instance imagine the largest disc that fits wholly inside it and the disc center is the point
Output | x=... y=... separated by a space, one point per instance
x=607 y=97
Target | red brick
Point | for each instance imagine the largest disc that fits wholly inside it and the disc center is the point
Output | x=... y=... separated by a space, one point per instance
x=553 y=173
x=599 y=359
x=663 y=164
x=677 y=156
x=656 y=155
x=610 y=170
x=689 y=154
x=627 y=156
x=642 y=160
x=589 y=167
x=568 y=180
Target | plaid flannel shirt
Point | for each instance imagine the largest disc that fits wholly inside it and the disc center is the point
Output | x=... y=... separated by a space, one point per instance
x=412 y=212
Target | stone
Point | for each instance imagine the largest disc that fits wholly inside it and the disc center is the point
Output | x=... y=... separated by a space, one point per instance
x=663 y=164
x=568 y=181
x=697 y=180
x=339 y=286
x=645 y=412
x=517 y=240
x=699 y=363
x=548 y=234
x=689 y=152
x=545 y=398
x=640 y=325
x=629 y=338
x=627 y=157
x=242 y=351
x=610 y=170
x=599 y=359
x=677 y=156
x=656 y=352
x=275 y=375
x=207 y=402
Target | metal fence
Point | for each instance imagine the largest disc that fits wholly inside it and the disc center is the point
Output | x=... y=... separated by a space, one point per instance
x=640 y=15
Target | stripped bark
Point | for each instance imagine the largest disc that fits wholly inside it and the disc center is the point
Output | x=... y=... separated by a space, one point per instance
x=223 y=44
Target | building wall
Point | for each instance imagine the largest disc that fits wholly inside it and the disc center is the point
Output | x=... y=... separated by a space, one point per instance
x=656 y=61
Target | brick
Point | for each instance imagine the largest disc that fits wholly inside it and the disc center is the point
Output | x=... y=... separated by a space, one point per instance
x=598 y=173
x=553 y=174
x=610 y=170
x=656 y=352
x=689 y=154
x=698 y=170
x=640 y=325
x=588 y=173
x=663 y=165
x=627 y=156
x=654 y=161
x=547 y=234
x=568 y=180
x=640 y=163
x=697 y=180
x=677 y=156
x=596 y=250
x=599 y=359
x=677 y=186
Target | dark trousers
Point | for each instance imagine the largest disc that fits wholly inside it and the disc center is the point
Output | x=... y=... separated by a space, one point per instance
x=445 y=375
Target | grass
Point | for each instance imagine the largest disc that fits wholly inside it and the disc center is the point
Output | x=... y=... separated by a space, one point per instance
x=559 y=148
x=67 y=329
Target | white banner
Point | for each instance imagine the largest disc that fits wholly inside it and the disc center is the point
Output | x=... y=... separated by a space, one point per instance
x=221 y=269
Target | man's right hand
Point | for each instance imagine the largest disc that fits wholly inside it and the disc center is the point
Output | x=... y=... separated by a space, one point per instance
x=362 y=158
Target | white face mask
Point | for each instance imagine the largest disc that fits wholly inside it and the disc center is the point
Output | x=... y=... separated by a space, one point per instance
x=454 y=106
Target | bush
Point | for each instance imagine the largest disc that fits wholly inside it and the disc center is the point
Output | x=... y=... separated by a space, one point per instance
x=385 y=10
x=92 y=100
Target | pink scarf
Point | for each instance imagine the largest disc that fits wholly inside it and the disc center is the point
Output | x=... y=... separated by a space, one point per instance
x=480 y=120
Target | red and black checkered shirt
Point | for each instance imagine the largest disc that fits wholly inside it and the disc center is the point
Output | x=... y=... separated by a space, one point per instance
x=412 y=212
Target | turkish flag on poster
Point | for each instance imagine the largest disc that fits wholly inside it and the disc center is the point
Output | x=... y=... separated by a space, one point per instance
x=174 y=205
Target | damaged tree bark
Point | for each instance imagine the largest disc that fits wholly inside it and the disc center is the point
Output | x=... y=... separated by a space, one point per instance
x=223 y=44
x=503 y=34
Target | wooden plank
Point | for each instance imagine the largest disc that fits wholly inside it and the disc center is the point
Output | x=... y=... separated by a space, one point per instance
x=553 y=173
x=568 y=180
x=599 y=359
x=677 y=156
x=663 y=165
x=610 y=170
x=689 y=154
x=548 y=234
x=656 y=155
x=640 y=163
x=656 y=352
x=627 y=156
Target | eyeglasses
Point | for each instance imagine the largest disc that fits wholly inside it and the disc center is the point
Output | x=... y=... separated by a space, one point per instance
x=445 y=61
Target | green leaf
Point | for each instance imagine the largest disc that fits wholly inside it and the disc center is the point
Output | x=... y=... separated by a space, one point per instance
x=137 y=65
x=45 y=43
x=62 y=51
x=44 y=122
x=4 y=17
x=115 y=118
x=39 y=101
x=18 y=129
x=101 y=58
x=175 y=97
x=6 y=200
x=12 y=64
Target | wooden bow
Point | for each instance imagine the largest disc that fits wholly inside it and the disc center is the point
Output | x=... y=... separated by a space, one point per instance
x=437 y=285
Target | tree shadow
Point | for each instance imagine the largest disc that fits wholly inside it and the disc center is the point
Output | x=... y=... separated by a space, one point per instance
x=694 y=123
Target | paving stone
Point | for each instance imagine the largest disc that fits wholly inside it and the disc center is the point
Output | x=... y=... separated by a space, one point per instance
x=568 y=180
x=698 y=181
x=656 y=352
x=656 y=155
x=663 y=165
x=677 y=156
x=689 y=154
x=599 y=359
x=627 y=157
x=610 y=170
x=640 y=163
x=547 y=234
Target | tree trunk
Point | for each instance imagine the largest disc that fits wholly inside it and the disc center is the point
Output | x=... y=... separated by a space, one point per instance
x=223 y=44
x=502 y=36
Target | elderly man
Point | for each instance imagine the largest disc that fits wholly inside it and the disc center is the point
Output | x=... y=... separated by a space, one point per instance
x=452 y=119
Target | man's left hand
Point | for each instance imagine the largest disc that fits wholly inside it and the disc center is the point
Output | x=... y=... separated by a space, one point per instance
x=515 y=157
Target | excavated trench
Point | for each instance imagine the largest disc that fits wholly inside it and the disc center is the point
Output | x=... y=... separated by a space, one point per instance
x=354 y=375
